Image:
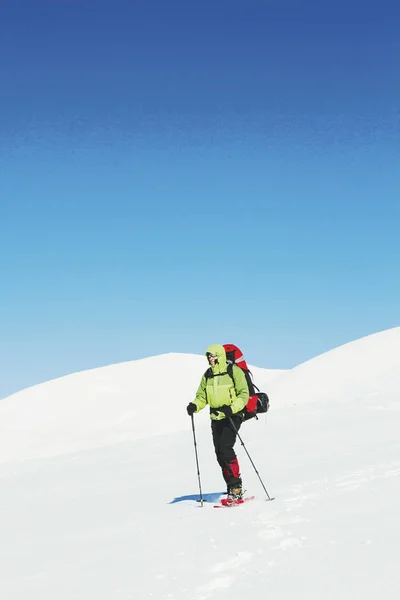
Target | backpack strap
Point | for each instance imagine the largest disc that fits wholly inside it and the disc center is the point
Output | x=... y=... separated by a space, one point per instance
x=252 y=382
x=229 y=370
x=208 y=374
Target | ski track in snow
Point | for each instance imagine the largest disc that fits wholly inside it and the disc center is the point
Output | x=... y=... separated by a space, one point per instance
x=233 y=563
x=275 y=531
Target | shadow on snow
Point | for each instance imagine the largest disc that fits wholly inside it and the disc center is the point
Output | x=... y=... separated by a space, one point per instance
x=212 y=497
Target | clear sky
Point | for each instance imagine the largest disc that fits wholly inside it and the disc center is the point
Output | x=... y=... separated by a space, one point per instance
x=175 y=174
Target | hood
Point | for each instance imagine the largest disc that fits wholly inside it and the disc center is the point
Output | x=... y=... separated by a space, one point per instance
x=220 y=353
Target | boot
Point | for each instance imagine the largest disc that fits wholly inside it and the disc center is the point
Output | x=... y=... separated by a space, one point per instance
x=235 y=493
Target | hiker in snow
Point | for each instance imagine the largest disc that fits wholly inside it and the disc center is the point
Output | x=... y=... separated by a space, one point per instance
x=227 y=397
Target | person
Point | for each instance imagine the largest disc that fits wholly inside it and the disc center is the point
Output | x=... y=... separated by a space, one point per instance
x=226 y=398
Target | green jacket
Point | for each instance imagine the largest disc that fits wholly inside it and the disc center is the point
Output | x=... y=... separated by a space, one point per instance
x=220 y=390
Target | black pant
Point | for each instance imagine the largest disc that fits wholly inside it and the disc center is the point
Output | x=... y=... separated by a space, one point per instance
x=224 y=439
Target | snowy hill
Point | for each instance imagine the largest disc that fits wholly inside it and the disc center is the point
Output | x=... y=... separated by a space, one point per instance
x=107 y=508
x=103 y=406
x=362 y=368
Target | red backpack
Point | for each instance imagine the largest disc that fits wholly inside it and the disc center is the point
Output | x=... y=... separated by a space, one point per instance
x=258 y=401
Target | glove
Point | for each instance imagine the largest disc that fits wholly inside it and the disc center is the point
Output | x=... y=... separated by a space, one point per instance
x=226 y=409
x=191 y=409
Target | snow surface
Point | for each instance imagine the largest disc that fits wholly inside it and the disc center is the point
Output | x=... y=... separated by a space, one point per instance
x=92 y=408
x=98 y=484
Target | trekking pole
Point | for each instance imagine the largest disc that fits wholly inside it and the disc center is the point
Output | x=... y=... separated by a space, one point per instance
x=197 y=460
x=254 y=466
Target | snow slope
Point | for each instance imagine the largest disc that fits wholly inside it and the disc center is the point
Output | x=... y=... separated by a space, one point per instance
x=359 y=369
x=102 y=406
x=120 y=521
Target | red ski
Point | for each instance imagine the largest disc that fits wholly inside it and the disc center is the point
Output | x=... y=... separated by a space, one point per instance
x=228 y=503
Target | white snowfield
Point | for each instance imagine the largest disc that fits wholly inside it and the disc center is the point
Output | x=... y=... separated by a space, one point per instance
x=111 y=404
x=359 y=369
x=98 y=484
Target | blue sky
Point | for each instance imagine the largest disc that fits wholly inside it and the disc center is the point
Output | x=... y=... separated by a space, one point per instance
x=175 y=174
